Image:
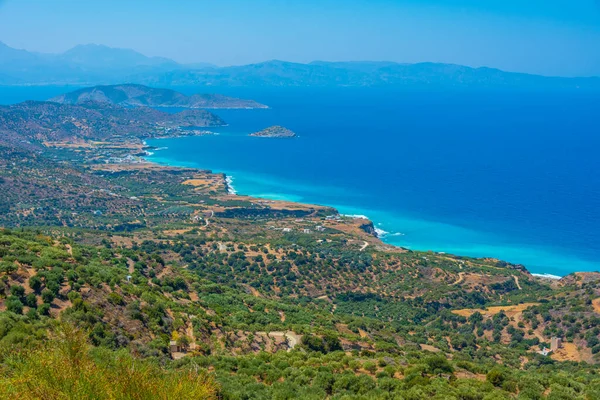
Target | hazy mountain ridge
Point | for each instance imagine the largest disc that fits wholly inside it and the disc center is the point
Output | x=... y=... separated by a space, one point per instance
x=79 y=65
x=92 y=54
x=144 y=96
x=97 y=64
x=363 y=74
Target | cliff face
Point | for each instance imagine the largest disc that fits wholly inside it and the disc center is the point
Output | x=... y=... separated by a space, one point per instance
x=369 y=228
x=143 y=96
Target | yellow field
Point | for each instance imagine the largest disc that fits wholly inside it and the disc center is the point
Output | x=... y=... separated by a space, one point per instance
x=197 y=182
x=596 y=305
x=510 y=311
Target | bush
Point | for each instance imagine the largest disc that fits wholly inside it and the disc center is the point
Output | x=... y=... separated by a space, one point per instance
x=495 y=377
x=17 y=290
x=35 y=283
x=32 y=314
x=31 y=300
x=325 y=345
x=438 y=364
x=370 y=366
x=44 y=309
x=64 y=369
x=13 y=304
x=116 y=299
x=47 y=296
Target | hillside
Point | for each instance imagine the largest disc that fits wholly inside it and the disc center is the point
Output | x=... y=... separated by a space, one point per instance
x=32 y=123
x=122 y=262
x=139 y=95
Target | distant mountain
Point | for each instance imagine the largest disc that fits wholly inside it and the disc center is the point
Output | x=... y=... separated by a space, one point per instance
x=97 y=64
x=364 y=74
x=8 y=55
x=83 y=64
x=102 y=57
x=139 y=95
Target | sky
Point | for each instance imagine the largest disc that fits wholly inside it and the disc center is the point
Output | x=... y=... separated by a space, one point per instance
x=547 y=37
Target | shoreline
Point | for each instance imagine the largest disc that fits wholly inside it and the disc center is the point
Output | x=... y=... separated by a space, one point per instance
x=265 y=107
x=381 y=233
x=229 y=185
x=549 y=276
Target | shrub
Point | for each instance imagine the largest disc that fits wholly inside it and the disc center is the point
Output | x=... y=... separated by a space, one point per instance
x=47 y=296
x=13 y=304
x=116 y=299
x=495 y=377
x=31 y=300
x=64 y=369
x=17 y=290
x=370 y=366
x=438 y=364
x=326 y=344
x=44 y=309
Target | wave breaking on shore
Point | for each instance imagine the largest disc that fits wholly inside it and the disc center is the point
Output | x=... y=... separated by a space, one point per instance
x=549 y=276
x=229 y=181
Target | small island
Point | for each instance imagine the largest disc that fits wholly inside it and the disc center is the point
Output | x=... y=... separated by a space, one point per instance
x=274 y=132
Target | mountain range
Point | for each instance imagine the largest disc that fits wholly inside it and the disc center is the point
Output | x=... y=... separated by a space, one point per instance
x=81 y=64
x=97 y=64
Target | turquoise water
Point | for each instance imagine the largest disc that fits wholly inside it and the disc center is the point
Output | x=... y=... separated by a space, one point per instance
x=505 y=175
x=491 y=174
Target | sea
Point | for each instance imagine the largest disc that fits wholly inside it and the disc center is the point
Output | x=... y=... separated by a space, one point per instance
x=513 y=175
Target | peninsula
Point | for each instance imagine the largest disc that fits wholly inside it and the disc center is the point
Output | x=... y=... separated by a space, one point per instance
x=274 y=132
x=34 y=123
x=130 y=95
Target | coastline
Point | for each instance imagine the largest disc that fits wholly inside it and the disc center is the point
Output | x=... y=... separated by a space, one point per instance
x=229 y=184
x=405 y=230
x=548 y=276
x=391 y=237
x=265 y=107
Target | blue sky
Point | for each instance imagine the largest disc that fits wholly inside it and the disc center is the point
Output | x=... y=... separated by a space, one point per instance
x=550 y=37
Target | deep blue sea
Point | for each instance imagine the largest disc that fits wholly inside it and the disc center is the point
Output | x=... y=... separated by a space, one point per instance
x=512 y=175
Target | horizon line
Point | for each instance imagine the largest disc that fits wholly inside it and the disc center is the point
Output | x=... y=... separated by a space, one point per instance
x=211 y=64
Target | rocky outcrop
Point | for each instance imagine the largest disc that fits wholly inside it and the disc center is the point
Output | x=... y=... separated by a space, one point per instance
x=369 y=228
x=274 y=132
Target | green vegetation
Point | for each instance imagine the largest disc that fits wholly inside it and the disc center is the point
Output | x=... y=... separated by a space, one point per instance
x=340 y=354
x=66 y=368
x=125 y=280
